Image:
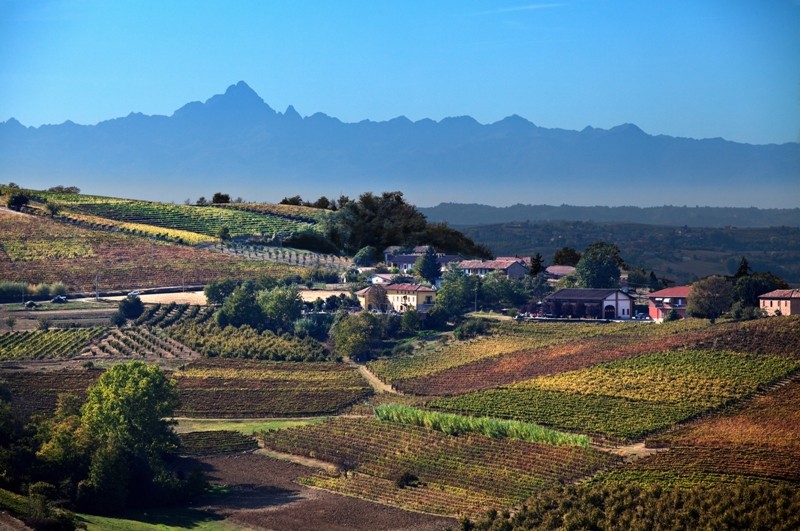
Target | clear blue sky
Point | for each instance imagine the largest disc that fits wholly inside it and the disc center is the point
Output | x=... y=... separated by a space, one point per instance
x=694 y=68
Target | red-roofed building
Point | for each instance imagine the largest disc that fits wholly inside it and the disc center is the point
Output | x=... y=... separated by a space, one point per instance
x=780 y=302
x=662 y=301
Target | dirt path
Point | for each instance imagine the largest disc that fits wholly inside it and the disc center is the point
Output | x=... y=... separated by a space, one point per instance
x=633 y=452
x=376 y=383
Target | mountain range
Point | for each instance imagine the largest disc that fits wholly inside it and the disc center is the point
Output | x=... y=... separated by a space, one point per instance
x=236 y=143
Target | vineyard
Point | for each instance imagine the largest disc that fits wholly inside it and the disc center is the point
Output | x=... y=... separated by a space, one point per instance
x=452 y=475
x=45 y=251
x=216 y=442
x=249 y=389
x=629 y=398
x=138 y=343
x=244 y=342
x=37 y=392
x=46 y=344
x=207 y=220
x=518 y=352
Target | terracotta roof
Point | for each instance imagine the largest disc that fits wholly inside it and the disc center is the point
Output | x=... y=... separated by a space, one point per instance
x=584 y=294
x=408 y=287
x=373 y=287
x=521 y=259
x=781 y=294
x=675 y=291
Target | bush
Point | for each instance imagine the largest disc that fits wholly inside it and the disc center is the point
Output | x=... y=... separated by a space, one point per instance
x=406 y=479
x=472 y=328
x=12 y=291
x=672 y=315
x=131 y=307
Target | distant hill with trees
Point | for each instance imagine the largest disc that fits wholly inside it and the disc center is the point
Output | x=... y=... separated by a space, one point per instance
x=682 y=254
x=461 y=214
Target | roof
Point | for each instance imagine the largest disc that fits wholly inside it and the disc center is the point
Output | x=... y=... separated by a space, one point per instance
x=560 y=270
x=409 y=287
x=781 y=294
x=584 y=294
x=385 y=276
x=523 y=260
x=368 y=289
x=488 y=264
x=675 y=291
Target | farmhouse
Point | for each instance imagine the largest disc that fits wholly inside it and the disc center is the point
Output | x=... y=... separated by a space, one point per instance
x=514 y=268
x=591 y=303
x=662 y=301
x=397 y=297
x=382 y=278
x=393 y=257
x=780 y=302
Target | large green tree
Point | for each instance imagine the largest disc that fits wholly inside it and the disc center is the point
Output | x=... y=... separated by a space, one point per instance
x=710 y=297
x=241 y=308
x=427 y=266
x=114 y=447
x=566 y=256
x=749 y=287
x=281 y=307
x=599 y=266
x=457 y=293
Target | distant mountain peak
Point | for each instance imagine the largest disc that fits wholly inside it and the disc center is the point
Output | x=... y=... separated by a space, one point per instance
x=240 y=94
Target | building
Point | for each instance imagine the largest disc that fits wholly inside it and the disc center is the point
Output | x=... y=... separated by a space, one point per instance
x=590 y=303
x=662 y=301
x=780 y=302
x=556 y=272
x=382 y=278
x=514 y=268
x=397 y=297
x=404 y=262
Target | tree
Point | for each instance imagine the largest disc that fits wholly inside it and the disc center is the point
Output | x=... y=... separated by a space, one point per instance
x=457 y=293
x=427 y=266
x=747 y=288
x=743 y=269
x=241 y=308
x=354 y=334
x=599 y=267
x=281 y=307
x=11 y=322
x=17 y=201
x=365 y=256
x=217 y=291
x=566 y=256
x=219 y=198
x=124 y=415
x=537 y=265
x=323 y=202
x=410 y=321
x=224 y=233
x=499 y=290
x=52 y=208
x=201 y=201
x=710 y=297
x=131 y=307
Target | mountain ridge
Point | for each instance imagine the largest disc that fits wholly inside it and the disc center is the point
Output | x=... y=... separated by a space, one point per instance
x=238 y=141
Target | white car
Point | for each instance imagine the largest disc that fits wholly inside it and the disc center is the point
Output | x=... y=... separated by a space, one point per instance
x=134 y=293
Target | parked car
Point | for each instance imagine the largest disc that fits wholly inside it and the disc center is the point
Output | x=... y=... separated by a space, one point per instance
x=134 y=293
x=58 y=299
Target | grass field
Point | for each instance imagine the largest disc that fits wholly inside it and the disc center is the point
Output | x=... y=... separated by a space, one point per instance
x=248 y=427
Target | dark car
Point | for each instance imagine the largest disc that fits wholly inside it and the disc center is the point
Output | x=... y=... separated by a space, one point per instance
x=58 y=299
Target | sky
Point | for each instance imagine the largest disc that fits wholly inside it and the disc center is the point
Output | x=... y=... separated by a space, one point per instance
x=688 y=68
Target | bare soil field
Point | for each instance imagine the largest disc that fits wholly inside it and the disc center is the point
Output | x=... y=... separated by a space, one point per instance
x=310 y=295
x=264 y=495
x=183 y=297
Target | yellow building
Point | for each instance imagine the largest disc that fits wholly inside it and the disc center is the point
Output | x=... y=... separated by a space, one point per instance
x=397 y=297
x=780 y=302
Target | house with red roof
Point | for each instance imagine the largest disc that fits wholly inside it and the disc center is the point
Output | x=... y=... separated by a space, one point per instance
x=780 y=302
x=664 y=300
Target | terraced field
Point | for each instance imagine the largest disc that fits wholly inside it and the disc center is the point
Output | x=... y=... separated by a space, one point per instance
x=629 y=398
x=36 y=250
x=454 y=475
x=47 y=344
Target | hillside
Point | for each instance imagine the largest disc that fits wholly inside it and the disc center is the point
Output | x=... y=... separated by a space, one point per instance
x=459 y=214
x=238 y=139
x=678 y=253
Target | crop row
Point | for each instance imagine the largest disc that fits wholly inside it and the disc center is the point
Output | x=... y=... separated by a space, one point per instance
x=244 y=342
x=502 y=470
x=202 y=220
x=216 y=442
x=294 y=212
x=628 y=398
x=137 y=229
x=46 y=344
x=141 y=342
x=37 y=392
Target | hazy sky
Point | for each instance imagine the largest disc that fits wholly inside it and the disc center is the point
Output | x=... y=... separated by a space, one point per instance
x=695 y=68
